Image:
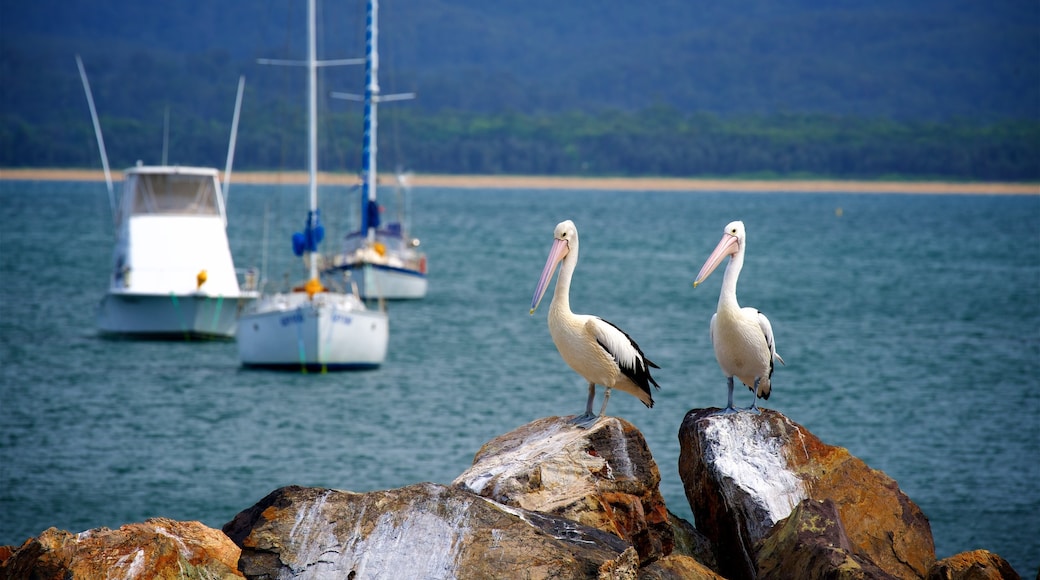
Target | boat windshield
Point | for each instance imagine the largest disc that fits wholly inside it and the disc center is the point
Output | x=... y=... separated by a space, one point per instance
x=173 y=194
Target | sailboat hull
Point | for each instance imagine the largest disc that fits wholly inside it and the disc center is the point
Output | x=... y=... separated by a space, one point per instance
x=379 y=281
x=327 y=332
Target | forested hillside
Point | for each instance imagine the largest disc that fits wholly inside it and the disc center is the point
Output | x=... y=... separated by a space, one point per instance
x=837 y=88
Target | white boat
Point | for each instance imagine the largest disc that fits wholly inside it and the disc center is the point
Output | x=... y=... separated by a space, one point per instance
x=172 y=271
x=382 y=258
x=312 y=326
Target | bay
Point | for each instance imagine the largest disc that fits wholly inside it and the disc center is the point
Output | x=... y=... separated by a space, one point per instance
x=910 y=325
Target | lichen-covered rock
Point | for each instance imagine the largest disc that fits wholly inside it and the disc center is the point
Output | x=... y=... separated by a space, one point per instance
x=159 y=548
x=690 y=542
x=677 y=566
x=975 y=565
x=420 y=531
x=811 y=544
x=603 y=477
x=745 y=472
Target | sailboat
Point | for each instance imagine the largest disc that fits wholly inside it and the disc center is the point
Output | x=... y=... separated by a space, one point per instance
x=312 y=327
x=172 y=272
x=384 y=260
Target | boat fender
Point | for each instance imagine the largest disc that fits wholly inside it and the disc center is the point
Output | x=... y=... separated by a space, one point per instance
x=313 y=286
x=200 y=279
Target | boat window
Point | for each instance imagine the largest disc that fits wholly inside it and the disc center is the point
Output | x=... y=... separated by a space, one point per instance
x=174 y=194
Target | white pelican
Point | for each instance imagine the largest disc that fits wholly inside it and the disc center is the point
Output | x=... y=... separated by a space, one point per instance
x=742 y=337
x=596 y=349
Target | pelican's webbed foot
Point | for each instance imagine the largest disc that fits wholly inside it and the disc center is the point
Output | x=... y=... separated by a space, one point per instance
x=585 y=420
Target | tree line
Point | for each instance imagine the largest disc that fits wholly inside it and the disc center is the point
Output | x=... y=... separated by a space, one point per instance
x=657 y=141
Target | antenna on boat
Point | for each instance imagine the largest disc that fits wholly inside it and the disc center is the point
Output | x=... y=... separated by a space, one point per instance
x=234 y=137
x=97 y=133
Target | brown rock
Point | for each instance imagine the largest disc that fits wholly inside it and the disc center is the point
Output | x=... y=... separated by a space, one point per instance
x=159 y=548
x=603 y=477
x=976 y=565
x=811 y=544
x=420 y=531
x=677 y=566
x=744 y=472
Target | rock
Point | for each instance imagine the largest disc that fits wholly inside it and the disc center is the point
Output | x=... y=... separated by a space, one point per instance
x=976 y=565
x=690 y=542
x=603 y=477
x=420 y=531
x=159 y=548
x=744 y=472
x=811 y=544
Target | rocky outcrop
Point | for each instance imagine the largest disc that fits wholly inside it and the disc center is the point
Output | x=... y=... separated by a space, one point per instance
x=603 y=477
x=156 y=549
x=743 y=473
x=423 y=531
x=550 y=500
x=975 y=565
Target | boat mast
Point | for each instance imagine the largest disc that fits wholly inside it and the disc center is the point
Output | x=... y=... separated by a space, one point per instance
x=312 y=125
x=369 y=213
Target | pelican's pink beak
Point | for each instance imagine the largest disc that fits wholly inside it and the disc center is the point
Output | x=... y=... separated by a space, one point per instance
x=556 y=253
x=728 y=246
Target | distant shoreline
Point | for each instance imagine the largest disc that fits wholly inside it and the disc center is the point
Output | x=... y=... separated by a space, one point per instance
x=586 y=183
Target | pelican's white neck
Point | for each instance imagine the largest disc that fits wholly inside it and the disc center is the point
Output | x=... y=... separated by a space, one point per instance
x=728 y=294
x=562 y=294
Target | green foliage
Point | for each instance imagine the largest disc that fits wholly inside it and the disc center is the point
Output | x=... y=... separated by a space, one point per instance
x=658 y=141
x=928 y=89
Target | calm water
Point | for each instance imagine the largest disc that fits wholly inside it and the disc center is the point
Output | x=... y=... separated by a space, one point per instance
x=910 y=326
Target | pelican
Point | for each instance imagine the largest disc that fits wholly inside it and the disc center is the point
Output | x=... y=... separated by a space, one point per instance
x=596 y=349
x=742 y=337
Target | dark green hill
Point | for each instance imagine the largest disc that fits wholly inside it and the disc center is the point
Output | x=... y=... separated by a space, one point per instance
x=968 y=66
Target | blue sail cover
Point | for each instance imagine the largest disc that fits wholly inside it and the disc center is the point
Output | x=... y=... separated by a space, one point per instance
x=312 y=235
x=371 y=215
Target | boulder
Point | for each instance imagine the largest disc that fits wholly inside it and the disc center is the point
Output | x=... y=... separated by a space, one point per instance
x=159 y=548
x=975 y=565
x=429 y=531
x=811 y=544
x=603 y=477
x=744 y=472
x=421 y=531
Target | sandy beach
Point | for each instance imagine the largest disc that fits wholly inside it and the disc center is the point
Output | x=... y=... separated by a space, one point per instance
x=611 y=183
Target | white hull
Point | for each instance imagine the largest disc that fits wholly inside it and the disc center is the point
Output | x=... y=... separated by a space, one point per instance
x=170 y=316
x=390 y=283
x=327 y=332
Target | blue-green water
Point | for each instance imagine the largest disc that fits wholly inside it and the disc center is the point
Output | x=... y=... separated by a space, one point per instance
x=910 y=326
